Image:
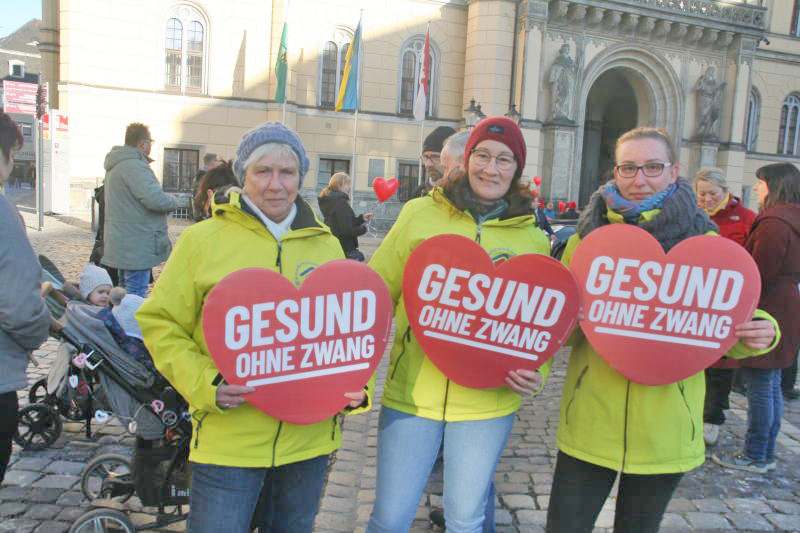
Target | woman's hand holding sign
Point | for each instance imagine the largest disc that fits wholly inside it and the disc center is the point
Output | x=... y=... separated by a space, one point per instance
x=755 y=334
x=356 y=398
x=524 y=382
x=230 y=396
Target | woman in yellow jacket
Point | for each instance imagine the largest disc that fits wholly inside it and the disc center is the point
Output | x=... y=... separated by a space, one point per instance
x=237 y=449
x=649 y=434
x=422 y=409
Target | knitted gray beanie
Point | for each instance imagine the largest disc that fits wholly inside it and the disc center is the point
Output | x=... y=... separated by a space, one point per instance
x=269 y=132
x=92 y=277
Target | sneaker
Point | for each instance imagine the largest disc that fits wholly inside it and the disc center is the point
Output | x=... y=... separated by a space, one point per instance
x=710 y=433
x=739 y=461
x=771 y=464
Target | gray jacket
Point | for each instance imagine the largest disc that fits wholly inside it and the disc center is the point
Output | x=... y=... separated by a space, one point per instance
x=24 y=320
x=135 y=232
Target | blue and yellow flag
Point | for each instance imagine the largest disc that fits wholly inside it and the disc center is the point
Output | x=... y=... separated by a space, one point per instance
x=348 y=90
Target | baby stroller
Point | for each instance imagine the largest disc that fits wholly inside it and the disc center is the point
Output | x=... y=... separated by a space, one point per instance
x=91 y=376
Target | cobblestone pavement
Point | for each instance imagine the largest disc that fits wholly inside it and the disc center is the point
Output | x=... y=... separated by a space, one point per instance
x=42 y=492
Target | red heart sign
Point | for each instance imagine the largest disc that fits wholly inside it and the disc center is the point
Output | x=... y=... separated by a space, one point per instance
x=476 y=321
x=385 y=188
x=302 y=349
x=573 y=205
x=537 y=180
x=659 y=318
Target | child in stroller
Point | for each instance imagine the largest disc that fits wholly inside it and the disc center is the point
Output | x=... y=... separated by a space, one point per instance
x=100 y=369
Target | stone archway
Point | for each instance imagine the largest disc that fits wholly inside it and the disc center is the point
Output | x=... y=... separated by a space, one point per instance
x=611 y=109
x=648 y=93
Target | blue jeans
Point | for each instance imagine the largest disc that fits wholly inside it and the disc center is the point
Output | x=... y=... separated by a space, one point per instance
x=135 y=281
x=764 y=412
x=407 y=448
x=283 y=499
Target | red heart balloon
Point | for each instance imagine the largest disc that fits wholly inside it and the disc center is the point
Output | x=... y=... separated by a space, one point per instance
x=476 y=321
x=659 y=318
x=537 y=180
x=385 y=188
x=573 y=205
x=562 y=206
x=302 y=349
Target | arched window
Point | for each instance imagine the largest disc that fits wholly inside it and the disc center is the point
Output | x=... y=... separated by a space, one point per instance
x=789 y=131
x=185 y=49
x=753 y=111
x=334 y=52
x=410 y=60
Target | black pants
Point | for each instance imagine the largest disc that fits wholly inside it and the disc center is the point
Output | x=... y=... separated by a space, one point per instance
x=9 y=416
x=581 y=488
x=718 y=388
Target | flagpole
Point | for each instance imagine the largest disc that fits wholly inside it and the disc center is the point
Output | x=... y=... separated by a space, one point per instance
x=419 y=171
x=286 y=22
x=353 y=175
x=421 y=101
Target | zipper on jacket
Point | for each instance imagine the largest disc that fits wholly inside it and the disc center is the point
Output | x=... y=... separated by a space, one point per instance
x=446 y=392
x=278 y=259
x=406 y=338
x=625 y=426
x=574 y=391
x=199 y=427
x=275 y=442
x=681 y=388
x=478 y=234
x=333 y=430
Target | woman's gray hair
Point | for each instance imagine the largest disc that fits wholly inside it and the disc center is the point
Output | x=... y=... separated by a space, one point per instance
x=711 y=175
x=269 y=149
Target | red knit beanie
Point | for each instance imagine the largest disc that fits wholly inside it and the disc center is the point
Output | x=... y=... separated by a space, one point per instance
x=501 y=129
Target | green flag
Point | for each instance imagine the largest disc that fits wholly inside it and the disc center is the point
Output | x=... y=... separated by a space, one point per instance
x=281 y=66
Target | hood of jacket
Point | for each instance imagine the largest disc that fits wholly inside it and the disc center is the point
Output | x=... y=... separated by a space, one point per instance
x=118 y=154
x=327 y=202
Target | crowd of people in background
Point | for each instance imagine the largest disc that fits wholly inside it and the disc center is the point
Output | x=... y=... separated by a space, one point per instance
x=249 y=213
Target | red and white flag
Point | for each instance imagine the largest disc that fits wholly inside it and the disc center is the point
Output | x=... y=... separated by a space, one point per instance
x=421 y=102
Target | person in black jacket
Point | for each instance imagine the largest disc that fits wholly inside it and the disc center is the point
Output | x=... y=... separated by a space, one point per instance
x=334 y=203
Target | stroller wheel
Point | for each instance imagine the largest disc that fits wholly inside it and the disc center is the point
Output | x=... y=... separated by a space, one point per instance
x=39 y=427
x=108 y=476
x=103 y=520
x=38 y=392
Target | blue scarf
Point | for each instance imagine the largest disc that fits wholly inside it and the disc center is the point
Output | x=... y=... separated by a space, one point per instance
x=631 y=211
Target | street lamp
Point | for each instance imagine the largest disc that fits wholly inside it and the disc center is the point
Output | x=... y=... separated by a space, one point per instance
x=471 y=114
x=480 y=113
x=513 y=114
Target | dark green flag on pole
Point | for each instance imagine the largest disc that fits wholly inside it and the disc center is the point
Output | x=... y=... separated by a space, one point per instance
x=281 y=66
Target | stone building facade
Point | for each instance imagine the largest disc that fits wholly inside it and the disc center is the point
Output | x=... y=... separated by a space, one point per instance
x=722 y=76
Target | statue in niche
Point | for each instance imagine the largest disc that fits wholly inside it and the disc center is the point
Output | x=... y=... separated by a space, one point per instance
x=562 y=81
x=709 y=104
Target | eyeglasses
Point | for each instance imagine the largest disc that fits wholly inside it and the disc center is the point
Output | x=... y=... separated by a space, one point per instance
x=650 y=170
x=481 y=158
x=432 y=158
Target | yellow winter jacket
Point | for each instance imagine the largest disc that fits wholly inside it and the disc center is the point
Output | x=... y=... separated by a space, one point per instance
x=613 y=422
x=414 y=384
x=171 y=322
